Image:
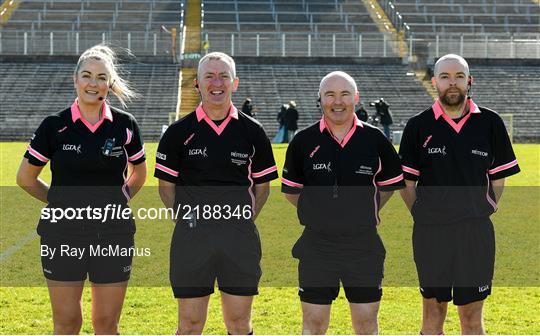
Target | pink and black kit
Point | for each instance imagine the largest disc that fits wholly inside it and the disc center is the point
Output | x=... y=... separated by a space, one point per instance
x=89 y=166
x=454 y=162
x=216 y=164
x=339 y=184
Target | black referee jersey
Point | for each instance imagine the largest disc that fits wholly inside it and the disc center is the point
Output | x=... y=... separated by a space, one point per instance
x=454 y=162
x=89 y=163
x=338 y=182
x=215 y=164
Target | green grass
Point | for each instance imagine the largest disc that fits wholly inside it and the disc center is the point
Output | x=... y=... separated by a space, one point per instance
x=150 y=308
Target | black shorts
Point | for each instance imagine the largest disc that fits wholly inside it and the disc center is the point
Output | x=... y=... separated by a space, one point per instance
x=107 y=260
x=460 y=295
x=325 y=262
x=227 y=251
x=459 y=256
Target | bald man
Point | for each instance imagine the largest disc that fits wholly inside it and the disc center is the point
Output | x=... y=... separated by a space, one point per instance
x=455 y=158
x=338 y=173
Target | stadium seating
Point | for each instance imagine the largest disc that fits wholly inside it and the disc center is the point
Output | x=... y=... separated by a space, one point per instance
x=511 y=89
x=95 y=15
x=31 y=91
x=286 y=16
x=431 y=17
x=271 y=85
x=281 y=27
x=72 y=26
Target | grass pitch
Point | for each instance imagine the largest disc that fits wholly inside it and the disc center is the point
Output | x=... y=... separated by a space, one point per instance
x=150 y=308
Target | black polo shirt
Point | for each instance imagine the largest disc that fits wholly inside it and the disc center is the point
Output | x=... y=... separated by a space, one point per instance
x=213 y=164
x=83 y=172
x=338 y=182
x=454 y=162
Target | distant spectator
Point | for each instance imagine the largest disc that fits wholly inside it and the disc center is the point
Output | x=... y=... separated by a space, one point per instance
x=280 y=136
x=248 y=108
x=361 y=113
x=384 y=115
x=291 y=121
x=429 y=74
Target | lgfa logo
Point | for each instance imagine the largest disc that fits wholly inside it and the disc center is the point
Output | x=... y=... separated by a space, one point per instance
x=322 y=166
x=198 y=151
x=68 y=147
x=437 y=150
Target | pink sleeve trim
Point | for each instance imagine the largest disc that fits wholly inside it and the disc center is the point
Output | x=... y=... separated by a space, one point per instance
x=264 y=172
x=391 y=181
x=167 y=170
x=410 y=170
x=137 y=156
x=291 y=183
x=37 y=155
x=125 y=192
x=129 y=135
x=503 y=167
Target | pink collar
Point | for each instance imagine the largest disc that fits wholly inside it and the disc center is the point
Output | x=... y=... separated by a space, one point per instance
x=76 y=114
x=201 y=114
x=357 y=122
x=438 y=112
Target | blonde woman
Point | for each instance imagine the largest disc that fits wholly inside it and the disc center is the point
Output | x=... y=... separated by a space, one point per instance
x=91 y=147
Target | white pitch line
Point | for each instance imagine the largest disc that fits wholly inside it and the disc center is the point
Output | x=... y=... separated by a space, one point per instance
x=14 y=248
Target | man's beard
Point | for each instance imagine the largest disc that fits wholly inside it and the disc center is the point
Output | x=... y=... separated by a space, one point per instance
x=452 y=101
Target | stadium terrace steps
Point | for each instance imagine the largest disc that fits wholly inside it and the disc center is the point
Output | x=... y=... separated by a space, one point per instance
x=385 y=26
x=31 y=91
x=193 y=27
x=7 y=9
x=189 y=96
x=421 y=75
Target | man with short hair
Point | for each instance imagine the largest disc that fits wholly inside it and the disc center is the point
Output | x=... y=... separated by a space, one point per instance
x=455 y=158
x=339 y=172
x=220 y=159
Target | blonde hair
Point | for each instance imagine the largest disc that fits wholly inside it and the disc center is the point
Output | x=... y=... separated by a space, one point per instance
x=119 y=86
